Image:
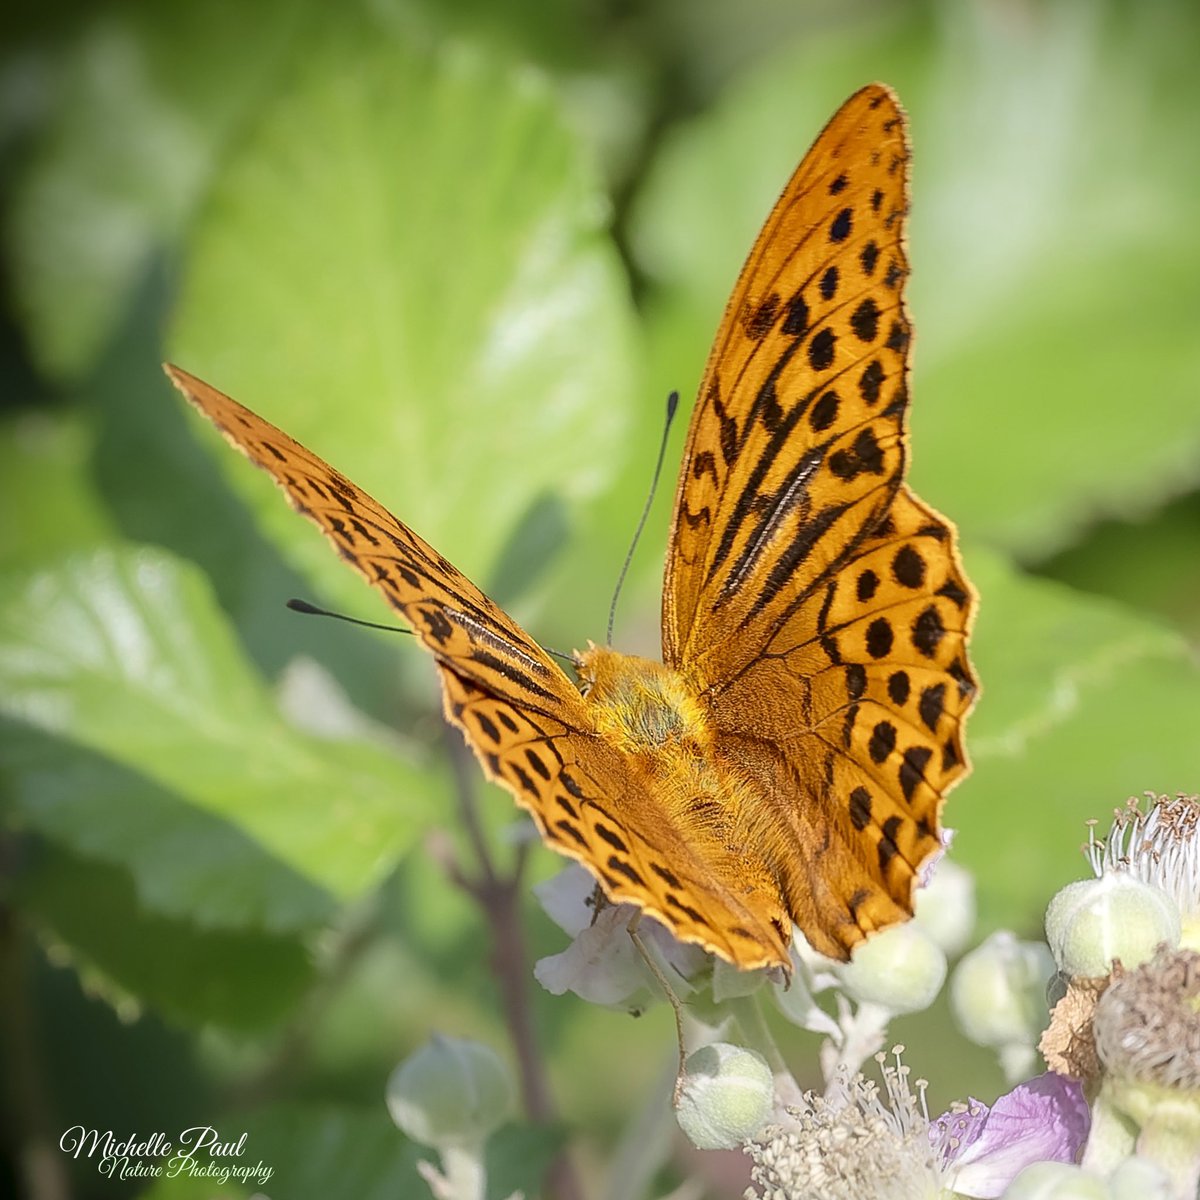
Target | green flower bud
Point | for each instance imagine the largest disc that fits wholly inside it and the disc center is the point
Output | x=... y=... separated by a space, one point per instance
x=945 y=906
x=1093 y=921
x=726 y=1098
x=1139 y=1179
x=998 y=997
x=900 y=969
x=451 y=1092
x=1055 y=1181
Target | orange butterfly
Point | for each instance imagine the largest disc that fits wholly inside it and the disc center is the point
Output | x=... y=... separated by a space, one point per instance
x=787 y=761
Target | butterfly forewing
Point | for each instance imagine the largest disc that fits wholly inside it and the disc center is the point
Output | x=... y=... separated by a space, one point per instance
x=815 y=603
x=796 y=445
x=450 y=615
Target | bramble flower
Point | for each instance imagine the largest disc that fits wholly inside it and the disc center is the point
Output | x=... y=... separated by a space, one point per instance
x=1159 y=845
x=1043 y=1120
x=864 y=1145
x=602 y=964
x=857 y=1145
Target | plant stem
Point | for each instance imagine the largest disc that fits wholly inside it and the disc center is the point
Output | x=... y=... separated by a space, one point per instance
x=498 y=896
x=747 y=1011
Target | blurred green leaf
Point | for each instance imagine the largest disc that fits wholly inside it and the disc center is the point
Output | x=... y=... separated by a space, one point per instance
x=1056 y=256
x=239 y=980
x=405 y=266
x=45 y=488
x=137 y=735
x=517 y=1159
x=150 y=95
x=1084 y=703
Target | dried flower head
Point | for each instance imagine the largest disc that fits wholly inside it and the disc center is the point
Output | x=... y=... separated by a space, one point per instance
x=1147 y=1022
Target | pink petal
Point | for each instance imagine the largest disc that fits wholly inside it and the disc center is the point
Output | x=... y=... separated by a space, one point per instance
x=1043 y=1120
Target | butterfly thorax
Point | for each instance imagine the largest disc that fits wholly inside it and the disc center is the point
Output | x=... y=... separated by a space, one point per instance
x=641 y=705
x=654 y=715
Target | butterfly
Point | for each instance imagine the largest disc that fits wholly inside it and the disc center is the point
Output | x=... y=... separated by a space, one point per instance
x=786 y=762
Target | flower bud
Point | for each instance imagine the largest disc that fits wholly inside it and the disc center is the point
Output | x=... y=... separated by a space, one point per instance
x=900 y=969
x=1139 y=1179
x=998 y=997
x=945 y=906
x=451 y=1092
x=1093 y=921
x=1158 y=843
x=726 y=1098
x=1055 y=1181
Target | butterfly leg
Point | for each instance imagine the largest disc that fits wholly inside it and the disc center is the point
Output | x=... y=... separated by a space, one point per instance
x=597 y=902
x=674 y=1001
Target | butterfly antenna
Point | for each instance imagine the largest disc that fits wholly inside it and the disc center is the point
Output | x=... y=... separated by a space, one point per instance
x=303 y=606
x=311 y=610
x=672 y=405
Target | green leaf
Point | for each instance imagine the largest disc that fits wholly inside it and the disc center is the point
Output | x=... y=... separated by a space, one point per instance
x=518 y=1157
x=1084 y=703
x=150 y=94
x=89 y=913
x=46 y=490
x=405 y=266
x=1055 y=252
x=137 y=735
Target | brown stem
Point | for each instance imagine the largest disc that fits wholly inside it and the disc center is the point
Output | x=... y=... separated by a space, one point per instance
x=499 y=897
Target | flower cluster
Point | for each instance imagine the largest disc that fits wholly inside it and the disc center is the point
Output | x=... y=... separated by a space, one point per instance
x=1116 y=1117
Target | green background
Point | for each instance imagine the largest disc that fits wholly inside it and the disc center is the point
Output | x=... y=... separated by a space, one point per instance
x=464 y=251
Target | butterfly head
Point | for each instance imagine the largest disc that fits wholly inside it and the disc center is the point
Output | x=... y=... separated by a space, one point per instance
x=640 y=704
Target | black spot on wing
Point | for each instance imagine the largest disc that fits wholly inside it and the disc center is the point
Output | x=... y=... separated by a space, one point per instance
x=611 y=837
x=932 y=704
x=865 y=321
x=912 y=769
x=821 y=349
x=839 y=229
x=860 y=808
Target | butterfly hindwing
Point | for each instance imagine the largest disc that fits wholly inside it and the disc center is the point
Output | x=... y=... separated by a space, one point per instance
x=854 y=715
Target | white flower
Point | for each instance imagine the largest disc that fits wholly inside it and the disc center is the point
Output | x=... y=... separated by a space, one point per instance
x=857 y=1146
x=861 y=1145
x=602 y=965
